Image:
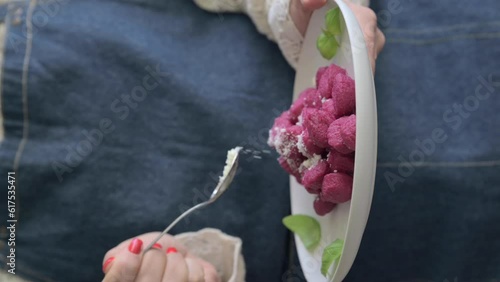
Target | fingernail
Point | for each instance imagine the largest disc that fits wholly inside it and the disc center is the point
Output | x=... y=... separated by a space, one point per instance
x=171 y=250
x=107 y=263
x=157 y=246
x=135 y=246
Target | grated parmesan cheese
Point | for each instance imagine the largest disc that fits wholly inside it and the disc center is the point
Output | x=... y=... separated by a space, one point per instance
x=231 y=155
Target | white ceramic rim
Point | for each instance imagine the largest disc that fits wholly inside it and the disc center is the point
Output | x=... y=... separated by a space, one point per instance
x=357 y=211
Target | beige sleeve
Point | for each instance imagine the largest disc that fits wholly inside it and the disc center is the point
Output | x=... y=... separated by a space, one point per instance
x=221 y=250
x=271 y=17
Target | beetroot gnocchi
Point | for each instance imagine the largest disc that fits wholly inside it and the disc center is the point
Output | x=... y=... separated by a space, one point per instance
x=316 y=138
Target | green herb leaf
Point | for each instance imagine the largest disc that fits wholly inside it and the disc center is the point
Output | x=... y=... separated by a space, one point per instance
x=327 y=45
x=331 y=254
x=333 y=22
x=306 y=227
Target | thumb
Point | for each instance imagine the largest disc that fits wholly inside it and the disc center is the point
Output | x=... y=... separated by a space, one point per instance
x=301 y=10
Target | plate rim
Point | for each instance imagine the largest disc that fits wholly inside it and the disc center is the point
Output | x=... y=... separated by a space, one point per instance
x=366 y=156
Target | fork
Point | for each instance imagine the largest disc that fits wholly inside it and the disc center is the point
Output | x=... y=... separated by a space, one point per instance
x=225 y=180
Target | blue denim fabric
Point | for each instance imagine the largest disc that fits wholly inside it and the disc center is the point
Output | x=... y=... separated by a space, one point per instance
x=203 y=83
x=436 y=219
x=436 y=209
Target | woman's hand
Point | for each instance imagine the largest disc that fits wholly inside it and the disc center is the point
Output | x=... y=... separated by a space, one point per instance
x=168 y=261
x=301 y=10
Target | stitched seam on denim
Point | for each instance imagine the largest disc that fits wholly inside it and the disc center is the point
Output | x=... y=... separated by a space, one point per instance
x=24 y=90
x=12 y=1
x=491 y=163
x=8 y=277
x=3 y=37
x=29 y=42
x=28 y=274
x=491 y=35
x=440 y=28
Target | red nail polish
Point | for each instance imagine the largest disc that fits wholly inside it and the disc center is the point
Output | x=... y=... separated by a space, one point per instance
x=171 y=250
x=135 y=246
x=157 y=246
x=107 y=263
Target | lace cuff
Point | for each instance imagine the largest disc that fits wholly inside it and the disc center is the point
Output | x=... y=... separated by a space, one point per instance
x=256 y=9
x=285 y=32
x=271 y=17
x=221 y=250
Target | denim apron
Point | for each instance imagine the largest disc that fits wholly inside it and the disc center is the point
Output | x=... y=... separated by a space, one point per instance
x=436 y=208
x=160 y=91
x=117 y=116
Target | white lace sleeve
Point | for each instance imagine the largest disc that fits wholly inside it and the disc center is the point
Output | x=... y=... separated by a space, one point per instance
x=257 y=10
x=271 y=17
x=285 y=32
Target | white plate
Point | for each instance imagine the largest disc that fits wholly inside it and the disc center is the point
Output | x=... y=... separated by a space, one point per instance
x=347 y=221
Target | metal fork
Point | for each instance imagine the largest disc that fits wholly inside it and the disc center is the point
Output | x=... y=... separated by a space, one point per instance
x=221 y=187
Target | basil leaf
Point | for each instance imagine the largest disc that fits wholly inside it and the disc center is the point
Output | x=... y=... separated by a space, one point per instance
x=333 y=22
x=331 y=254
x=327 y=45
x=306 y=227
